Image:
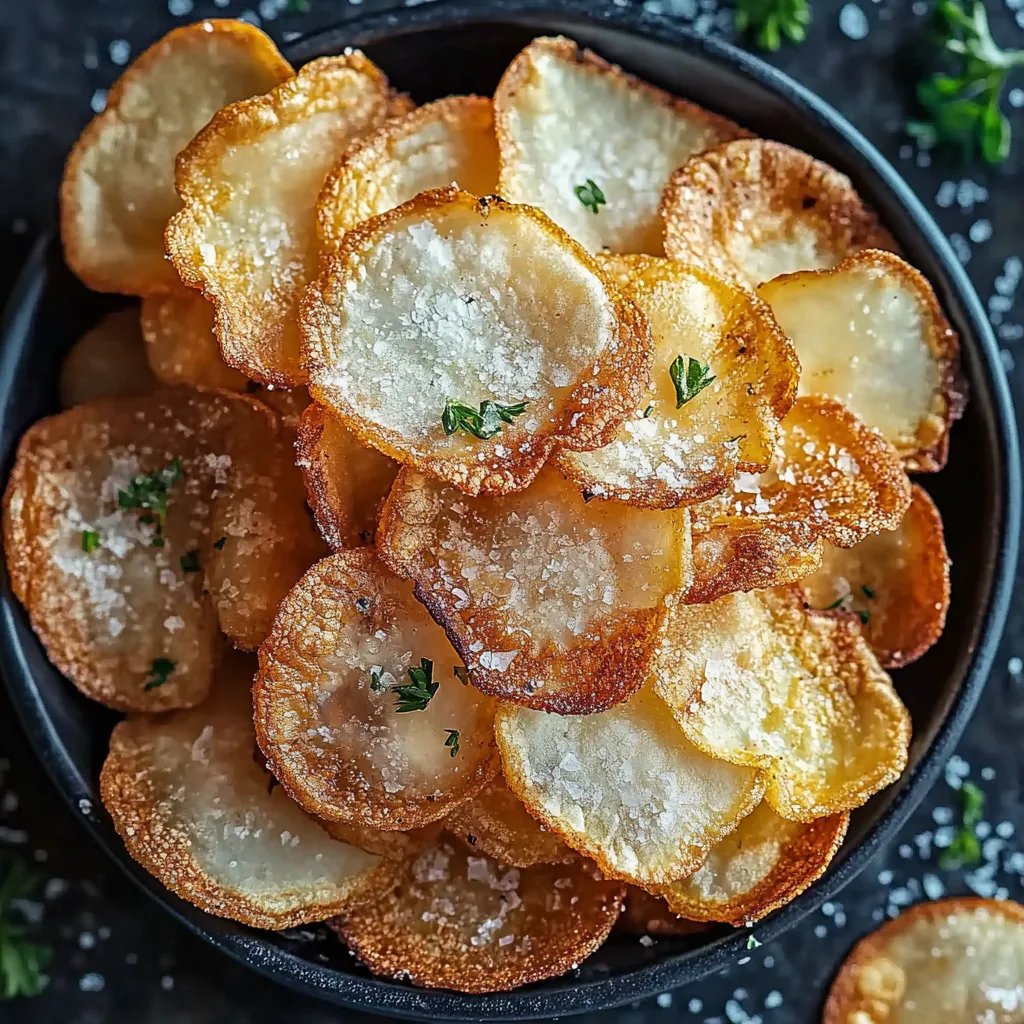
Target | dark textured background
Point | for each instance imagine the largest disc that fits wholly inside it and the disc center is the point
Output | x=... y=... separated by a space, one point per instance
x=116 y=958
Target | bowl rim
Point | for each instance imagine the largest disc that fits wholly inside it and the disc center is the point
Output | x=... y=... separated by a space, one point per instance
x=564 y=995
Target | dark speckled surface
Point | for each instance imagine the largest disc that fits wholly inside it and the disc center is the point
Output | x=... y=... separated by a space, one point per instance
x=116 y=958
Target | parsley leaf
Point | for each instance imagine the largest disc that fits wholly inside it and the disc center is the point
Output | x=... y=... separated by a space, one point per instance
x=148 y=494
x=90 y=541
x=452 y=741
x=868 y=592
x=415 y=696
x=590 y=195
x=965 y=850
x=864 y=615
x=190 y=561
x=377 y=684
x=485 y=424
x=161 y=671
x=22 y=962
x=648 y=410
x=752 y=941
x=769 y=20
x=690 y=377
x=219 y=544
x=837 y=603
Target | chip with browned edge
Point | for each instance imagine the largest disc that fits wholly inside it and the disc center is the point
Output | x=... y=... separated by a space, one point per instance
x=644 y=914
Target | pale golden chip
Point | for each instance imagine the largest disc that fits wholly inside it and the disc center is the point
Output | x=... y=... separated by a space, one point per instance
x=951 y=962
x=594 y=147
x=181 y=344
x=454 y=299
x=107 y=362
x=897 y=582
x=449 y=141
x=552 y=601
x=345 y=713
x=496 y=823
x=625 y=786
x=687 y=439
x=760 y=680
x=346 y=482
x=760 y=867
x=288 y=403
x=754 y=209
x=117 y=519
x=387 y=843
x=472 y=924
x=194 y=809
x=644 y=914
x=871 y=334
x=118 y=189
x=249 y=183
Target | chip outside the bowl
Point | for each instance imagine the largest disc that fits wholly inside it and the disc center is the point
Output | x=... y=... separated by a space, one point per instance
x=118 y=188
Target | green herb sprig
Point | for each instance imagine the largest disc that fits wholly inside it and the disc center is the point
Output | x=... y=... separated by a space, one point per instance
x=590 y=195
x=415 y=695
x=768 y=21
x=485 y=424
x=148 y=494
x=160 y=671
x=22 y=961
x=965 y=850
x=452 y=741
x=90 y=541
x=690 y=377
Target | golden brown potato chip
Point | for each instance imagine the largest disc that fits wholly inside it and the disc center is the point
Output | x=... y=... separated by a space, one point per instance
x=288 y=403
x=644 y=914
x=496 y=823
x=449 y=303
x=949 y=962
x=387 y=843
x=724 y=376
x=450 y=141
x=760 y=680
x=472 y=924
x=117 y=519
x=346 y=482
x=871 y=334
x=754 y=209
x=625 y=786
x=760 y=867
x=553 y=601
x=360 y=710
x=181 y=344
x=194 y=809
x=249 y=182
x=118 y=189
x=107 y=362
x=897 y=582
x=592 y=146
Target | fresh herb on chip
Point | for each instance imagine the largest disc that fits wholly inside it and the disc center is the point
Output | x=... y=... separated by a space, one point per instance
x=160 y=671
x=148 y=494
x=965 y=849
x=462 y=674
x=690 y=377
x=90 y=541
x=648 y=410
x=590 y=195
x=415 y=695
x=219 y=544
x=753 y=942
x=22 y=962
x=769 y=20
x=452 y=741
x=377 y=684
x=190 y=561
x=485 y=424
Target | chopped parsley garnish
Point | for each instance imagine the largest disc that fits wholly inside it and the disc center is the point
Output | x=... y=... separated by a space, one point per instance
x=462 y=674
x=22 y=962
x=377 y=684
x=864 y=615
x=90 y=541
x=590 y=195
x=485 y=424
x=769 y=20
x=452 y=741
x=219 y=544
x=752 y=942
x=690 y=377
x=648 y=410
x=867 y=591
x=148 y=494
x=965 y=849
x=837 y=603
x=415 y=695
x=190 y=561
x=297 y=7
x=160 y=671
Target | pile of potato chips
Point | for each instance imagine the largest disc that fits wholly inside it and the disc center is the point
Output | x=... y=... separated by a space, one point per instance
x=551 y=452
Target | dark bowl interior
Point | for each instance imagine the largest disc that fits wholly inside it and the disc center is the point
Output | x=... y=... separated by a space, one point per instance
x=448 y=47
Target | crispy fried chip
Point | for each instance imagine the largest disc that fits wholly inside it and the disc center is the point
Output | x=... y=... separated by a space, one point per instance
x=472 y=924
x=897 y=582
x=496 y=823
x=107 y=362
x=336 y=714
x=760 y=867
x=871 y=334
x=753 y=209
x=288 y=403
x=181 y=344
x=346 y=482
x=450 y=298
x=118 y=189
x=625 y=786
x=194 y=809
x=450 y=141
x=592 y=146
x=683 y=447
x=249 y=182
x=117 y=519
x=553 y=601
x=760 y=680
x=948 y=962
x=644 y=914
x=387 y=843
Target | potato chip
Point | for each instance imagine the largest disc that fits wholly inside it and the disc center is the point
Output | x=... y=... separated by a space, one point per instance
x=473 y=924
x=948 y=962
x=360 y=710
x=724 y=376
x=754 y=209
x=116 y=523
x=594 y=147
x=194 y=809
x=871 y=334
x=552 y=601
x=760 y=867
x=625 y=787
x=897 y=582
x=451 y=302
x=106 y=362
x=450 y=141
x=387 y=843
x=496 y=823
x=118 y=189
x=288 y=403
x=760 y=680
x=644 y=914
x=181 y=344
x=249 y=182
x=346 y=482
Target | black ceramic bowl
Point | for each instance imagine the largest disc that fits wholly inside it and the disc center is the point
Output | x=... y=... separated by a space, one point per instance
x=458 y=46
